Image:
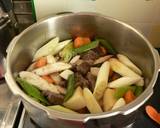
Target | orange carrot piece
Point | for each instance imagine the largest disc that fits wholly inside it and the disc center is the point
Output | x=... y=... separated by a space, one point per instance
x=129 y=96
x=41 y=62
x=48 y=79
x=80 y=41
x=153 y=114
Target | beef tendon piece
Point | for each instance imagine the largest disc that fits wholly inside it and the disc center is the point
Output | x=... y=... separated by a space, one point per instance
x=92 y=80
x=90 y=55
x=53 y=98
x=81 y=81
x=83 y=68
x=99 y=51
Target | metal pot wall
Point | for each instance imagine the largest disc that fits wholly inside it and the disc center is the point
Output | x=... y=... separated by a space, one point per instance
x=123 y=37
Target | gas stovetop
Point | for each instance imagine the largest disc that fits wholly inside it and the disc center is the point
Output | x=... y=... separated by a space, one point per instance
x=13 y=114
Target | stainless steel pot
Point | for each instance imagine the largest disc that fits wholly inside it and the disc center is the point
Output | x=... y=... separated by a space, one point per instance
x=124 y=38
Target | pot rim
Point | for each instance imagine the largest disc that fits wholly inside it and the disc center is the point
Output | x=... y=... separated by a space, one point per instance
x=53 y=114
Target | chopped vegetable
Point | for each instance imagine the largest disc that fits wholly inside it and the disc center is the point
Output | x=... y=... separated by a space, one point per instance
x=51 y=68
x=86 y=47
x=41 y=62
x=51 y=59
x=129 y=96
x=65 y=74
x=37 y=81
x=67 y=52
x=48 y=79
x=121 y=102
x=70 y=87
x=75 y=59
x=80 y=41
x=108 y=99
x=122 y=90
x=140 y=82
x=56 y=77
x=102 y=80
x=77 y=100
x=91 y=102
x=121 y=69
x=46 y=49
x=61 y=109
x=108 y=46
x=125 y=60
x=61 y=89
x=94 y=71
x=153 y=114
x=102 y=59
x=139 y=90
x=32 y=91
x=123 y=81
x=31 y=67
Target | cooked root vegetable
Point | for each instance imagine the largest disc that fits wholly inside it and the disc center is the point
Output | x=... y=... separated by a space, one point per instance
x=122 y=69
x=46 y=49
x=140 y=82
x=102 y=59
x=120 y=92
x=32 y=91
x=48 y=79
x=123 y=81
x=70 y=87
x=74 y=59
x=125 y=60
x=80 y=41
x=61 y=89
x=102 y=80
x=153 y=114
x=121 y=102
x=51 y=68
x=31 y=67
x=56 y=77
x=51 y=59
x=61 y=109
x=65 y=74
x=77 y=100
x=129 y=96
x=37 y=81
x=108 y=99
x=91 y=102
x=94 y=71
x=41 y=62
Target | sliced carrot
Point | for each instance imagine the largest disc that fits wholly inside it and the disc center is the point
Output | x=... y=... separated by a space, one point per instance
x=41 y=62
x=48 y=79
x=103 y=50
x=80 y=41
x=129 y=96
x=153 y=114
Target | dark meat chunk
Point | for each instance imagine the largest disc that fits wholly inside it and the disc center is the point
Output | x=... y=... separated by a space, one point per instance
x=90 y=55
x=83 y=68
x=92 y=80
x=81 y=81
x=63 y=83
x=99 y=51
x=53 y=98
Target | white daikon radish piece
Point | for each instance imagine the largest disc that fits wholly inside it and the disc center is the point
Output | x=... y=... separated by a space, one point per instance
x=74 y=59
x=121 y=102
x=51 y=68
x=78 y=62
x=46 y=49
x=51 y=59
x=122 y=69
x=31 y=67
x=140 y=82
x=60 y=46
x=37 y=81
x=77 y=100
x=65 y=74
x=125 y=60
x=123 y=81
x=91 y=102
x=62 y=109
x=102 y=80
x=94 y=71
x=56 y=77
x=108 y=99
x=102 y=59
x=61 y=89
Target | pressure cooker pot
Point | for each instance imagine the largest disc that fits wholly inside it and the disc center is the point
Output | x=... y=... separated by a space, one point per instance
x=124 y=38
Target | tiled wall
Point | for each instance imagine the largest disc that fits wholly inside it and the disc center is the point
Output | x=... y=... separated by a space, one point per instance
x=142 y=14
